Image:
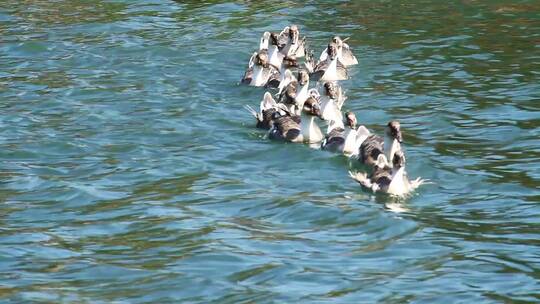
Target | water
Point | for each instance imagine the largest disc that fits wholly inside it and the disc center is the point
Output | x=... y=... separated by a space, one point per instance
x=130 y=172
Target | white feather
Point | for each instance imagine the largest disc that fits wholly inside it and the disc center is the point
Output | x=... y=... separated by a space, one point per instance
x=397 y=185
x=302 y=96
x=329 y=110
x=263 y=45
x=276 y=58
x=268 y=102
x=286 y=78
x=258 y=79
x=331 y=72
x=350 y=141
x=310 y=130
x=391 y=146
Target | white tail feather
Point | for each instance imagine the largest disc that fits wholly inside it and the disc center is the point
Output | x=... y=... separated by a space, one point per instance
x=361 y=178
x=418 y=182
x=263 y=45
x=251 y=111
x=341 y=98
x=288 y=77
x=252 y=60
x=268 y=102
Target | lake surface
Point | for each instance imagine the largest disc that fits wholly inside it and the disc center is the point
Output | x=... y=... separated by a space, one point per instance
x=130 y=172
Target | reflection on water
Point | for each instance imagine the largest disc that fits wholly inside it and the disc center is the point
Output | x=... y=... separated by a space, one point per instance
x=131 y=172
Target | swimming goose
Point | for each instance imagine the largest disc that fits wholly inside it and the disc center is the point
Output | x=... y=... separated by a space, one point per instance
x=294 y=128
x=332 y=101
x=260 y=72
x=375 y=145
x=293 y=46
x=388 y=179
x=330 y=69
x=344 y=52
x=295 y=93
x=267 y=109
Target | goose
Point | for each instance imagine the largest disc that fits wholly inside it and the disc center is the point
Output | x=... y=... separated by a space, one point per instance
x=293 y=46
x=295 y=92
x=344 y=52
x=332 y=101
x=267 y=109
x=298 y=128
x=389 y=179
x=330 y=69
x=374 y=145
x=260 y=72
x=345 y=139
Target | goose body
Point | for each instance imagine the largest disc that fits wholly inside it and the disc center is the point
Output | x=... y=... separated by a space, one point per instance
x=335 y=138
x=375 y=145
x=298 y=128
x=388 y=179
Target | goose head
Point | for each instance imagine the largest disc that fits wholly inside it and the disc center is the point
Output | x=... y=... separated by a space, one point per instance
x=262 y=59
x=274 y=39
x=331 y=50
x=312 y=107
x=393 y=130
x=351 y=120
x=303 y=77
x=294 y=34
x=331 y=90
x=337 y=40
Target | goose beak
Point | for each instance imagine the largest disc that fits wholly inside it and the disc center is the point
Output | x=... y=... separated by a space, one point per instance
x=318 y=113
x=399 y=137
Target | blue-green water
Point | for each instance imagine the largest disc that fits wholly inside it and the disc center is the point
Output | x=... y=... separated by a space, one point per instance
x=130 y=172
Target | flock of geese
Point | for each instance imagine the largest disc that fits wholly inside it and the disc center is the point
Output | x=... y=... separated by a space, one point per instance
x=297 y=112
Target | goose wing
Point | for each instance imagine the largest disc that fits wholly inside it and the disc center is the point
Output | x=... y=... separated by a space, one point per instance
x=285 y=128
x=341 y=71
x=370 y=149
x=347 y=55
x=319 y=70
x=335 y=140
x=248 y=74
